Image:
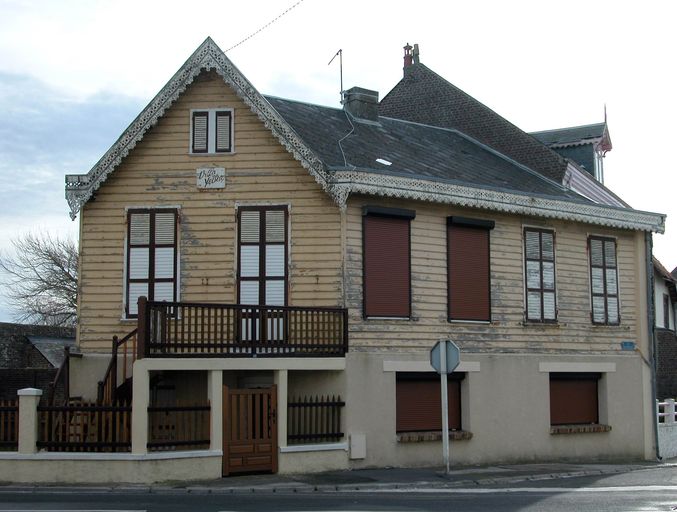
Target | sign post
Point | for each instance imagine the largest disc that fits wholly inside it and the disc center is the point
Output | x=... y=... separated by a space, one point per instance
x=444 y=358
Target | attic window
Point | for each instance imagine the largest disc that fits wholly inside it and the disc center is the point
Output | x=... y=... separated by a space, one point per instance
x=383 y=161
x=211 y=131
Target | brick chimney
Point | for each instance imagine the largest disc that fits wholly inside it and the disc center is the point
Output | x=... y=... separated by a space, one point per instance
x=408 y=57
x=361 y=103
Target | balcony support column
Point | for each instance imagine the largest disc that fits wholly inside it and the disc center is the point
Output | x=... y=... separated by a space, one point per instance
x=281 y=380
x=140 y=401
x=215 y=395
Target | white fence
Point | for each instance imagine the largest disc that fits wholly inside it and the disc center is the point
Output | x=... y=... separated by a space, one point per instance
x=667 y=428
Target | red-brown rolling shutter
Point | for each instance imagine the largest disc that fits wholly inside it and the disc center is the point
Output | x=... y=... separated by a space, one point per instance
x=468 y=267
x=573 y=399
x=386 y=266
x=418 y=405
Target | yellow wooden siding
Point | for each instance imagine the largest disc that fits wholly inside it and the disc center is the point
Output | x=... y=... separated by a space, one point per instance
x=161 y=172
x=574 y=330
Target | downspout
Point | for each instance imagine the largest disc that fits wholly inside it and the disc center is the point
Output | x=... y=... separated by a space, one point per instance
x=651 y=320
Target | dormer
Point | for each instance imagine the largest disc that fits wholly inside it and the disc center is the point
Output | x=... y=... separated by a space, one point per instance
x=586 y=145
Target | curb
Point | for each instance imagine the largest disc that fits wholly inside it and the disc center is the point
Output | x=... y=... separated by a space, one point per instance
x=305 y=488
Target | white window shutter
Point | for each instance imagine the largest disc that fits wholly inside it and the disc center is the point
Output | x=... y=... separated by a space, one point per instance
x=200 y=132
x=249 y=261
x=250 y=222
x=165 y=230
x=275 y=226
x=139 y=228
x=139 y=262
x=223 y=132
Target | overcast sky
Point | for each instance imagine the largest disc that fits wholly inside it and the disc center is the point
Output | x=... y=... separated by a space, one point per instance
x=73 y=74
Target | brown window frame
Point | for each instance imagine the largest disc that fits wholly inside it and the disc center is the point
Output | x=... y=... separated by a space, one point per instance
x=605 y=269
x=393 y=213
x=433 y=423
x=541 y=290
x=195 y=115
x=152 y=280
x=479 y=225
x=211 y=114
x=262 y=278
x=578 y=382
x=229 y=115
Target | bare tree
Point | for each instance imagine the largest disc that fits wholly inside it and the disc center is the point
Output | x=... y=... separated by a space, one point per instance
x=41 y=279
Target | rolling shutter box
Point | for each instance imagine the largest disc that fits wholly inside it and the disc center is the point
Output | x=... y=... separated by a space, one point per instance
x=573 y=398
x=468 y=269
x=387 y=259
x=418 y=402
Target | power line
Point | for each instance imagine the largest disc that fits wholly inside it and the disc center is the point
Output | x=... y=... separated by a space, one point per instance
x=263 y=27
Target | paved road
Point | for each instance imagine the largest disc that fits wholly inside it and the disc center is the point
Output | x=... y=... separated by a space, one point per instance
x=637 y=491
x=471 y=500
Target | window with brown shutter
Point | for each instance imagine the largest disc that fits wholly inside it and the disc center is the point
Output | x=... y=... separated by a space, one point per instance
x=418 y=407
x=200 y=132
x=223 y=125
x=468 y=269
x=211 y=131
x=386 y=244
x=574 y=398
x=151 y=257
x=666 y=311
x=539 y=264
x=603 y=280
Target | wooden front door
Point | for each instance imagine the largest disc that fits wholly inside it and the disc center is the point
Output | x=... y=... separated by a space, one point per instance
x=249 y=430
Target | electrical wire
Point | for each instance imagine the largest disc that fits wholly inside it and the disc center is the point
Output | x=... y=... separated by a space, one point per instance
x=345 y=162
x=263 y=27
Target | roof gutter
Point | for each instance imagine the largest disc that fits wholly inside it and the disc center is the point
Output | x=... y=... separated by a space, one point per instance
x=346 y=182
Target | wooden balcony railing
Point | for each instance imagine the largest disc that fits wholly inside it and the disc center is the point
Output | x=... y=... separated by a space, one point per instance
x=180 y=329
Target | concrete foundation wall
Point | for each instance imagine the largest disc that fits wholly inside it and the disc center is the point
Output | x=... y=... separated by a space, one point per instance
x=506 y=406
x=93 y=469
x=312 y=462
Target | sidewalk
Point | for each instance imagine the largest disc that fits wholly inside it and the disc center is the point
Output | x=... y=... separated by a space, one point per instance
x=364 y=479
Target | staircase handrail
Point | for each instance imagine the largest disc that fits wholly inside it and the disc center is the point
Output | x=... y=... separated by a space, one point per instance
x=108 y=386
x=61 y=374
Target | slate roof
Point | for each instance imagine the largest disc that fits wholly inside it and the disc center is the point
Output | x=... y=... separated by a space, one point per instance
x=415 y=150
x=52 y=348
x=423 y=96
x=571 y=136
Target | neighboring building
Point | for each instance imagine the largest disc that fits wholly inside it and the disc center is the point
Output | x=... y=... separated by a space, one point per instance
x=314 y=251
x=665 y=298
x=30 y=356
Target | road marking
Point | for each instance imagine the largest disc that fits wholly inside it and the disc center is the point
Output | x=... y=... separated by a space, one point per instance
x=489 y=490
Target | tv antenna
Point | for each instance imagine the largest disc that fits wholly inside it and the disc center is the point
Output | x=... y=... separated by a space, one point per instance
x=340 y=56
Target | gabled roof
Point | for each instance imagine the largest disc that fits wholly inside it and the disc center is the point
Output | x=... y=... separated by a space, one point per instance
x=80 y=188
x=423 y=96
x=431 y=163
x=575 y=136
x=669 y=278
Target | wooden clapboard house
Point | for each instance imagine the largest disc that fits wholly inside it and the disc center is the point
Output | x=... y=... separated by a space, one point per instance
x=292 y=264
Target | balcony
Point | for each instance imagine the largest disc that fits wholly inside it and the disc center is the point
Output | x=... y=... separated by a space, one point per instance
x=182 y=329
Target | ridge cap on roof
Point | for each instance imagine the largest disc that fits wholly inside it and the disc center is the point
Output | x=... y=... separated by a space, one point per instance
x=291 y=100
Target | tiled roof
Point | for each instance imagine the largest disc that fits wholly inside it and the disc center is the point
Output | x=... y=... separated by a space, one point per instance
x=423 y=96
x=413 y=150
x=572 y=135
